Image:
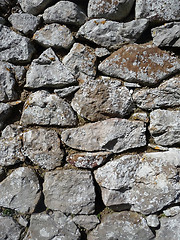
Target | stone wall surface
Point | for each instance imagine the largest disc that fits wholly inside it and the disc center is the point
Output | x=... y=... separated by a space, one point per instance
x=89 y=120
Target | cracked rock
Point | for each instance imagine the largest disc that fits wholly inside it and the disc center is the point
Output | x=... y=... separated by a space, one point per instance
x=5 y=112
x=9 y=229
x=71 y=197
x=34 y=6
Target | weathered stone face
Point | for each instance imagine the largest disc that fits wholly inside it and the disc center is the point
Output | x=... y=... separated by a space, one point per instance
x=144 y=64
x=9 y=229
x=33 y=6
x=5 y=112
x=88 y=222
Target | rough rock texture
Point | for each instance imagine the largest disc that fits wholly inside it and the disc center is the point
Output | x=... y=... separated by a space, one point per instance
x=102 y=52
x=14 y=47
x=54 y=35
x=24 y=22
x=167 y=35
x=124 y=225
x=152 y=221
x=142 y=116
x=170 y=212
x=10 y=146
x=34 y=6
x=112 y=9
x=53 y=226
x=71 y=197
x=20 y=190
x=5 y=112
x=158 y=10
x=165 y=127
x=2 y=173
x=143 y=63
x=64 y=12
x=43 y=108
x=9 y=229
x=100 y=99
x=167 y=94
x=42 y=147
x=169 y=228
x=48 y=71
x=87 y=222
x=81 y=60
x=66 y=91
x=112 y=34
x=115 y=135
x=88 y=159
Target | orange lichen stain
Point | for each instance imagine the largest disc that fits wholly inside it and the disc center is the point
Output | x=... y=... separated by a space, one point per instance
x=157 y=148
x=26 y=104
x=103 y=22
x=52 y=58
x=96 y=22
x=8 y=69
x=143 y=159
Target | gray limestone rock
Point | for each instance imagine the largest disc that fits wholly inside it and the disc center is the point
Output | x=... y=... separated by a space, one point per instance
x=158 y=10
x=102 y=52
x=112 y=9
x=34 y=6
x=100 y=99
x=66 y=91
x=165 y=127
x=54 y=226
x=141 y=116
x=88 y=222
x=144 y=63
x=54 y=35
x=24 y=22
x=112 y=34
x=167 y=94
x=65 y=12
x=173 y=211
x=9 y=229
x=70 y=191
x=167 y=35
x=42 y=147
x=121 y=226
x=10 y=146
x=88 y=159
x=81 y=59
x=170 y=228
x=48 y=71
x=5 y=112
x=2 y=173
x=20 y=190
x=114 y=135
x=152 y=221
x=43 y=108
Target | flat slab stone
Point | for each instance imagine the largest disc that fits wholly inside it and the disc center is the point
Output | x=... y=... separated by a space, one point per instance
x=101 y=99
x=48 y=71
x=165 y=127
x=88 y=222
x=14 y=47
x=20 y=190
x=34 y=6
x=114 y=10
x=70 y=191
x=114 y=135
x=102 y=52
x=65 y=12
x=158 y=10
x=112 y=34
x=54 y=35
x=42 y=147
x=66 y=91
x=143 y=63
x=43 y=108
x=167 y=35
x=9 y=229
x=167 y=94
x=5 y=112
x=123 y=225
x=172 y=211
x=52 y=226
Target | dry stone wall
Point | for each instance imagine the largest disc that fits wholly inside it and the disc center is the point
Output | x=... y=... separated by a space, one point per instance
x=89 y=120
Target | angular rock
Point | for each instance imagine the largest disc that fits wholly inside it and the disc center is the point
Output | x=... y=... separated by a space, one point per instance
x=81 y=60
x=114 y=135
x=88 y=159
x=152 y=221
x=34 y=6
x=143 y=63
x=167 y=35
x=43 y=108
x=14 y=47
x=112 y=34
x=88 y=222
x=158 y=10
x=10 y=146
x=169 y=228
x=54 y=226
x=173 y=211
x=5 y=112
x=114 y=10
x=131 y=85
x=167 y=94
x=9 y=229
x=65 y=12
x=157 y=147
x=20 y=190
x=100 y=99
x=141 y=116
x=101 y=52
x=65 y=92
x=70 y=191
x=54 y=35
x=2 y=173
x=48 y=71
x=42 y=147
x=165 y=127
x=123 y=225
x=24 y=22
